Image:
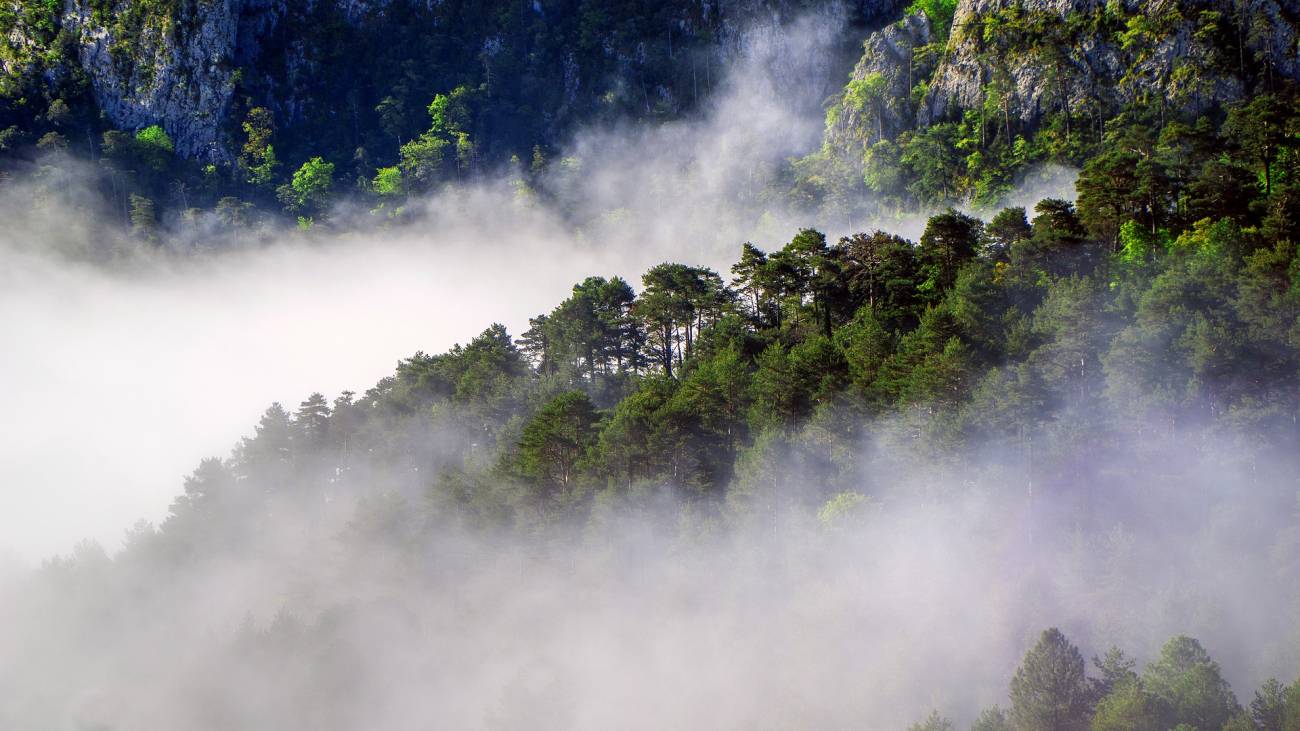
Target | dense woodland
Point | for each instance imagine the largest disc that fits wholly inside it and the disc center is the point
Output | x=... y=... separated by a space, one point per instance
x=1167 y=297
x=1073 y=354
x=1049 y=349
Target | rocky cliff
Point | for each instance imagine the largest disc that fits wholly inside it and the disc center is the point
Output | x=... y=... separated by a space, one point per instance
x=173 y=69
x=877 y=103
x=1058 y=55
x=1015 y=83
x=195 y=66
x=1028 y=59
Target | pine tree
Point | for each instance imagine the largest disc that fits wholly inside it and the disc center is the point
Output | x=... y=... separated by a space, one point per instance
x=1049 y=691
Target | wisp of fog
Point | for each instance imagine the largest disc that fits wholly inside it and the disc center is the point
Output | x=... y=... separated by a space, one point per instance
x=107 y=358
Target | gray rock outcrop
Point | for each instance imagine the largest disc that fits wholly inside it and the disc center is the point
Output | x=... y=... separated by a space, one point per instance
x=178 y=72
x=877 y=103
x=1061 y=54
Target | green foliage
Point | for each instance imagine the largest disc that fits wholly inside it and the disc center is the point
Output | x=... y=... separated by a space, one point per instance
x=932 y=163
x=1142 y=154
x=496 y=84
x=950 y=240
x=634 y=443
x=1049 y=691
x=940 y=13
x=841 y=508
x=1190 y=687
x=387 y=182
x=1260 y=126
x=311 y=183
x=790 y=383
x=554 y=441
x=144 y=218
x=704 y=420
x=999 y=329
x=882 y=172
x=52 y=141
x=1170 y=294
x=154 y=148
x=1274 y=707
x=866 y=346
x=861 y=95
x=155 y=137
x=677 y=303
x=1008 y=229
x=883 y=273
x=450 y=113
x=1129 y=179
x=257 y=157
x=933 y=722
x=991 y=719
x=421 y=159
x=1006 y=329
x=1137 y=245
x=1128 y=707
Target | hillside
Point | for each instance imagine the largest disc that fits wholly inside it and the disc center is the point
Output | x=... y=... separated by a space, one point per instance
x=957 y=100
x=214 y=105
x=845 y=482
x=1006 y=424
x=232 y=107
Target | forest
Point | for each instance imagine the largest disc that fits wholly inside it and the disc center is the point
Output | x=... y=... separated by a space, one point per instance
x=1168 y=299
x=1060 y=361
x=843 y=475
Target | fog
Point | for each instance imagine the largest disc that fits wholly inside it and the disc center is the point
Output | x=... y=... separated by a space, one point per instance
x=924 y=597
x=122 y=378
x=127 y=365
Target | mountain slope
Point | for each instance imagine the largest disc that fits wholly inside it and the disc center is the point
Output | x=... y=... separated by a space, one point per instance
x=195 y=67
x=1002 y=86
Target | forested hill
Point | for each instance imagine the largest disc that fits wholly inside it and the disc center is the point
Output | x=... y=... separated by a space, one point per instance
x=1078 y=415
x=845 y=475
x=1149 y=308
x=195 y=105
x=242 y=109
x=1164 y=298
x=956 y=99
x=331 y=78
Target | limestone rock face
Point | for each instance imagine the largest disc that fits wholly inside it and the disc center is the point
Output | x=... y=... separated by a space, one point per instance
x=176 y=65
x=178 y=69
x=877 y=102
x=16 y=49
x=177 y=72
x=1037 y=55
